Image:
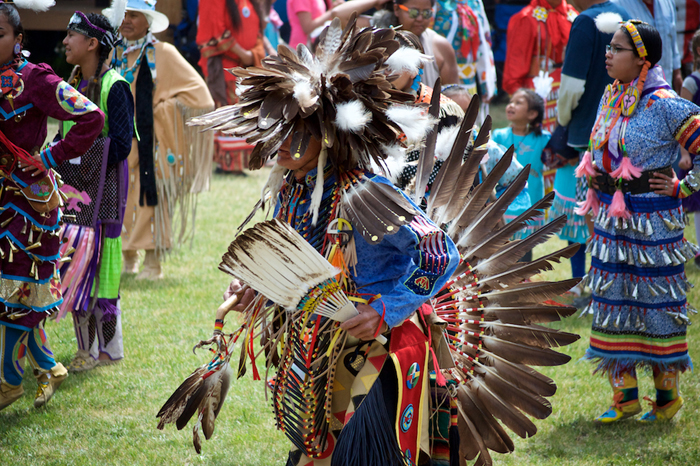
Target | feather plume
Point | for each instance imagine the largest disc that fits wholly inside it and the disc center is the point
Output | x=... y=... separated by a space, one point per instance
x=414 y=121
x=445 y=139
x=484 y=221
x=450 y=170
x=491 y=433
x=377 y=209
x=515 y=250
x=527 y=315
x=273 y=184
x=531 y=335
x=520 y=374
x=524 y=354
x=500 y=236
x=524 y=270
x=394 y=162
x=481 y=194
x=511 y=417
x=608 y=22
x=317 y=193
x=407 y=59
x=526 y=293
x=426 y=161
x=35 y=5
x=352 y=116
x=116 y=12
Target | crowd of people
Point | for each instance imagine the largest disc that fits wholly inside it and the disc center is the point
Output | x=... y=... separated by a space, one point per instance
x=597 y=97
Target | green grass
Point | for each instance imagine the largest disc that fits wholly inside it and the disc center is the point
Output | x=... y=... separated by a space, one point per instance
x=107 y=416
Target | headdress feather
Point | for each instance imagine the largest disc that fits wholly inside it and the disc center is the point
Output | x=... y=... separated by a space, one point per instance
x=117 y=10
x=340 y=96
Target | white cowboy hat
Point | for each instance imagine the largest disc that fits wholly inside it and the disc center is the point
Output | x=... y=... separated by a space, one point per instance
x=157 y=21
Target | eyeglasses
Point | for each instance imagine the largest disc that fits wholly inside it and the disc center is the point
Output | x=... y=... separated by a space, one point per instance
x=414 y=12
x=614 y=49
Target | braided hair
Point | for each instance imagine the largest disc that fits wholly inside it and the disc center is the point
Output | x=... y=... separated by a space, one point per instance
x=94 y=84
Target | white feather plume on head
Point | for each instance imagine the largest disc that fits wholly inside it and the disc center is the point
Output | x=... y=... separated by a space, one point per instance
x=608 y=22
x=414 y=121
x=35 y=5
x=351 y=116
x=407 y=59
x=304 y=93
x=115 y=13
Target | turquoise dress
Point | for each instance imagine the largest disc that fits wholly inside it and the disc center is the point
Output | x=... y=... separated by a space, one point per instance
x=575 y=229
x=528 y=150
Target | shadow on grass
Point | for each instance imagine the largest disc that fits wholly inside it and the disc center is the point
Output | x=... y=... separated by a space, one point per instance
x=625 y=442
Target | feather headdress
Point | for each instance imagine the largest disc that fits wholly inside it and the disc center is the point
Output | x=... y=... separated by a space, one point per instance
x=341 y=96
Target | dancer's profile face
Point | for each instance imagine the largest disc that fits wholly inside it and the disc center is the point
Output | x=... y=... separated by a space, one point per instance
x=305 y=163
x=78 y=47
x=7 y=40
x=623 y=65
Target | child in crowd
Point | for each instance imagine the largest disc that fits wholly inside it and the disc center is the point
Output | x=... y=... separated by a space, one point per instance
x=525 y=113
x=691 y=91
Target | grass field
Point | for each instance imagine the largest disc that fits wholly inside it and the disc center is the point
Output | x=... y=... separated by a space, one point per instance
x=107 y=416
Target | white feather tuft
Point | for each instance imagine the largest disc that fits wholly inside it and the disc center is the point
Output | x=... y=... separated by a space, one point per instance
x=317 y=194
x=304 y=94
x=407 y=59
x=273 y=184
x=352 y=116
x=543 y=84
x=394 y=162
x=115 y=13
x=444 y=141
x=36 y=5
x=608 y=22
x=414 y=121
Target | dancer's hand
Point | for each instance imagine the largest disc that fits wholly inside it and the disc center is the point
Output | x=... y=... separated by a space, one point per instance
x=364 y=326
x=664 y=184
x=244 y=293
x=32 y=169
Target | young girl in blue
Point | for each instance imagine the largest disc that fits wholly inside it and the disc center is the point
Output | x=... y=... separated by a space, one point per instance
x=525 y=113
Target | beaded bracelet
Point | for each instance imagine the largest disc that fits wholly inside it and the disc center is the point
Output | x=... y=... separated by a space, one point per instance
x=218 y=326
x=682 y=190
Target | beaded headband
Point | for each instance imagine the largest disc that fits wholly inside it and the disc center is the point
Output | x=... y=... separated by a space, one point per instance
x=81 y=24
x=631 y=27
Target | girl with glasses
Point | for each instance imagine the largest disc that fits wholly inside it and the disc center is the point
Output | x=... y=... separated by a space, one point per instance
x=637 y=274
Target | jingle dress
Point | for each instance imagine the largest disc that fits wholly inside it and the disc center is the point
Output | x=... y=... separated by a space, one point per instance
x=406 y=268
x=637 y=266
x=30 y=287
x=96 y=186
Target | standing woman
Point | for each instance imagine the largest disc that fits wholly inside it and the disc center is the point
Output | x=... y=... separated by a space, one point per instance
x=98 y=180
x=169 y=163
x=230 y=34
x=30 y=287
x=638 y=249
